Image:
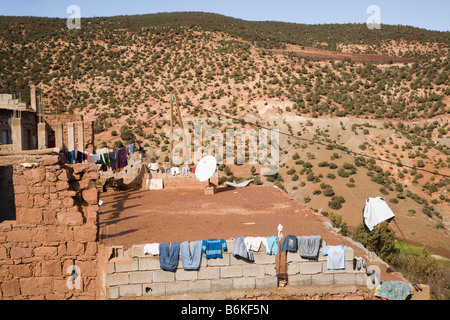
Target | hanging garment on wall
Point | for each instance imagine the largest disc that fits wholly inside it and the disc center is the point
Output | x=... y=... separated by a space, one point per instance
x=152 y=166
x=394 y=290
x=272 y=245
x=168 y=256
x=254 y=243
x=191 y=259
x=151 y=248
x=289 y=244
x=95 y=158
x=308 y=246
x=122 y=158
x=174 y=171
x=113 y=159
x=80 y=157
x=336 y=256
x=213 y=248
x=104 y=157
x=240 y=250
x=375 y=211
x=68 y=155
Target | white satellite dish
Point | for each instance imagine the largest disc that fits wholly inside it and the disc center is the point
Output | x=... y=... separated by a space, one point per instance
x=205 y=168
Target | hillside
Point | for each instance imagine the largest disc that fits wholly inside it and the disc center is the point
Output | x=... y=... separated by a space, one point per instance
x=330 y=89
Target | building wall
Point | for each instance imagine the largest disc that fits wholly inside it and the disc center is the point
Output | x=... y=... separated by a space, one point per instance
x=88 y=128
x=55 y=232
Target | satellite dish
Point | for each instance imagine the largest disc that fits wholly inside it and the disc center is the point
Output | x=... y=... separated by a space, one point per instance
x=205 y=168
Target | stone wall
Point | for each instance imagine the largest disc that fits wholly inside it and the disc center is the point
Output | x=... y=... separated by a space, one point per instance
x=131 y=273
x=55 y=232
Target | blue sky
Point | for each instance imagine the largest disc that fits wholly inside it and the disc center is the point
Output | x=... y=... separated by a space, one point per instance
x=428 y=14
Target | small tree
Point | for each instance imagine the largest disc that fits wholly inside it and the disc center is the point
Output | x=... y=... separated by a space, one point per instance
x=253 y=170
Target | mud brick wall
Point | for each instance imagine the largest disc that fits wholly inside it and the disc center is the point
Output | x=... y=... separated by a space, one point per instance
x=56 y=228
x=133 y=274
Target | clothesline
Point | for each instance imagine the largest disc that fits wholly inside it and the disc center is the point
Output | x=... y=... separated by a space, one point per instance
x=307 y=246
x=115 y=160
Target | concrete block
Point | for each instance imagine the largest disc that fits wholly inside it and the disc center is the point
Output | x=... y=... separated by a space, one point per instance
x=208 y=273
x=117 y=279
x=344 y=279
x=263 y=258
x=149 y=264
x=110 y=267
x=294 y=257
x=222 y=285
x=137 y=251
x=153 y=289
x=186 y=275
x=113 y=293
x=361 y=279
x=253 y=270
x=225 y=261
x=130 y=290
x=270 y=270
x=322 y=280
x=141 y=277
x=200 y=286
x=163 y=276
x=349 y=253
x=300 y=280
x=244 y=283
x=266 y=282
x=310 y=267
x=126 y=265
x=293 y=268
x=231 y=272
x=348 y=268
x=230 y=245
x=177 y=287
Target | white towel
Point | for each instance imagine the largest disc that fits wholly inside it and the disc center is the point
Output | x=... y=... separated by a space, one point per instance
x=376 y=211
x=151 y=248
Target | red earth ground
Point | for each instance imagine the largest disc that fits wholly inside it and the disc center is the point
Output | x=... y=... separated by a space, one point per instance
x=138 y=217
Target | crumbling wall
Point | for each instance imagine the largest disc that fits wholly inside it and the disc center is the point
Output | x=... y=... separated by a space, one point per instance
x=50 y=250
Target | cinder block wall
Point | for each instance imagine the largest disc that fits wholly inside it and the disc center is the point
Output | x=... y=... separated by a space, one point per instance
x=134 y=274
x=56 y=228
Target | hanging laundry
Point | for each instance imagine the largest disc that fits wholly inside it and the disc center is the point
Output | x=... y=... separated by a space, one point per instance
x=272 y=245
x=336 y=256
x=289 y=244
x=394 y=290
x=358 y=262
x=254 y=243
x=151 y=248
x=122 y=158
x=105 y=159
x=113 y=160
x=213 y=248
x=80 y=157
x=240 y=250
x=174 y=171
x=375 y=211
x=68 y=155
x=152 y=166
x=191 y=260
x=308 y=246
x=168 y=256
x=95 y=158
